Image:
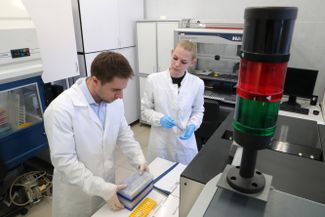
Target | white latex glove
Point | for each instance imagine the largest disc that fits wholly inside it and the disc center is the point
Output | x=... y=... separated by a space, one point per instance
x=143 y=168
x=114 y=203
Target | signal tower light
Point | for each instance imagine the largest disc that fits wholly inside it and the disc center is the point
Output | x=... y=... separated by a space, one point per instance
x=264 y=57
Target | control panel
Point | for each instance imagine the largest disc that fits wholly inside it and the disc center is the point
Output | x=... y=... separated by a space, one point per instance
x=18 y=53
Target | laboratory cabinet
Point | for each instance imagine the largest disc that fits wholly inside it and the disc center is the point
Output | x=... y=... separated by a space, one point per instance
x=130 y=93
x=102 y=25
x=218 y=58
x=142 y=86
x=105 y=24
x=22 y=133
x=55 y=36
x=155 y=41
x=90 y=27
x=84 y=29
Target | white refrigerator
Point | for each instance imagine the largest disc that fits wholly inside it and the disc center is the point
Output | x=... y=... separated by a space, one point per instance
x=102 y=25
x=72 y=33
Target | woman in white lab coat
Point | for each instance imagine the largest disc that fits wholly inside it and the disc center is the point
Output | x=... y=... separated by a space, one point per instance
x=82 y=142
x=173 y=104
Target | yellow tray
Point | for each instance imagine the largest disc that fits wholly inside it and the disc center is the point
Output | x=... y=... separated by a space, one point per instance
x=144 y=208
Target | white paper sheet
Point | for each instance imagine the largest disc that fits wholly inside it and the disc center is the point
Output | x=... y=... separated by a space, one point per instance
x=159 y=166
x=170 y=181
x=170 y=208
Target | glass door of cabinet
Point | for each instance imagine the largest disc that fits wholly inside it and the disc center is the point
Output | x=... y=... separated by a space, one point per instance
x=218 y=59
x=20 y=108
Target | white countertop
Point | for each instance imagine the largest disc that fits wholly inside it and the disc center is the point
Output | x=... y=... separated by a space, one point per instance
x=167 y=206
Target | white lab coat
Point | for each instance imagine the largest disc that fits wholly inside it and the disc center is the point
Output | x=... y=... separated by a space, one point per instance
x=82 y=152
x=185 y=105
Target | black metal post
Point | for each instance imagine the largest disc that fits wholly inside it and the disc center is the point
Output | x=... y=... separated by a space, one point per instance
x=248 y=161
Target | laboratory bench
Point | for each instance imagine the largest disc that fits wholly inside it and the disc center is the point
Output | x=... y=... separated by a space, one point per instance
x=165 y=193
x=295 y=159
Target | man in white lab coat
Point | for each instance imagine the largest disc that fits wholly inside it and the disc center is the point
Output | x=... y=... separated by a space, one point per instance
x=173 y=104
x=84 y=125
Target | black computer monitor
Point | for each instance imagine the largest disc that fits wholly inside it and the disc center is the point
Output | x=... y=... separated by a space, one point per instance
x=299 y=83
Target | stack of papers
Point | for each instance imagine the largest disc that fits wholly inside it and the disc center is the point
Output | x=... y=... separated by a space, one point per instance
x=169 y=208
x=167 y=175
x=170 y=181
x=138 y=186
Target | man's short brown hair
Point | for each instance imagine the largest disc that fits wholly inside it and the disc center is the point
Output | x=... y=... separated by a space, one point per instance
x=108 y=65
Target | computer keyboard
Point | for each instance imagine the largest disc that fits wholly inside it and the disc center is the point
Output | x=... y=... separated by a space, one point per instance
x=298 y=110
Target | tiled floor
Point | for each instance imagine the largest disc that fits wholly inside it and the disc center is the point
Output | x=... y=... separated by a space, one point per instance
x=141 y=133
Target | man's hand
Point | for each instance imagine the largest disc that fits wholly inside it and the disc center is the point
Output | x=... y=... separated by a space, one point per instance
x=143 y=168
x=114 y=203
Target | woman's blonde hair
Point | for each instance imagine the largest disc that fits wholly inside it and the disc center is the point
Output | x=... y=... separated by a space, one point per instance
x=189 y=46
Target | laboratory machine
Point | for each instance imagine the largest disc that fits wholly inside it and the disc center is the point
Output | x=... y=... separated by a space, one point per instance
x=283 y=184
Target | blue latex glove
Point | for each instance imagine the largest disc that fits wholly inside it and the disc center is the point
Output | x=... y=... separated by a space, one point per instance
x=167 y=122
x=188 y=132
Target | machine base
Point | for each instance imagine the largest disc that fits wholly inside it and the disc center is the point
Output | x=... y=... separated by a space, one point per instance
x=232 y=170
x=249 y=185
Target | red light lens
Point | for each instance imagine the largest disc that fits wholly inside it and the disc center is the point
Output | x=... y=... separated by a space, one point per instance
x=261 y=81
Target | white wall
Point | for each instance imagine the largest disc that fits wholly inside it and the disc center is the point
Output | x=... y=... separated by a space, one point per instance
x=308 y=46
x=13 y=9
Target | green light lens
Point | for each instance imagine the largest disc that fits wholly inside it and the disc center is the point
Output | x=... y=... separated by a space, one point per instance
x=255 y=117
